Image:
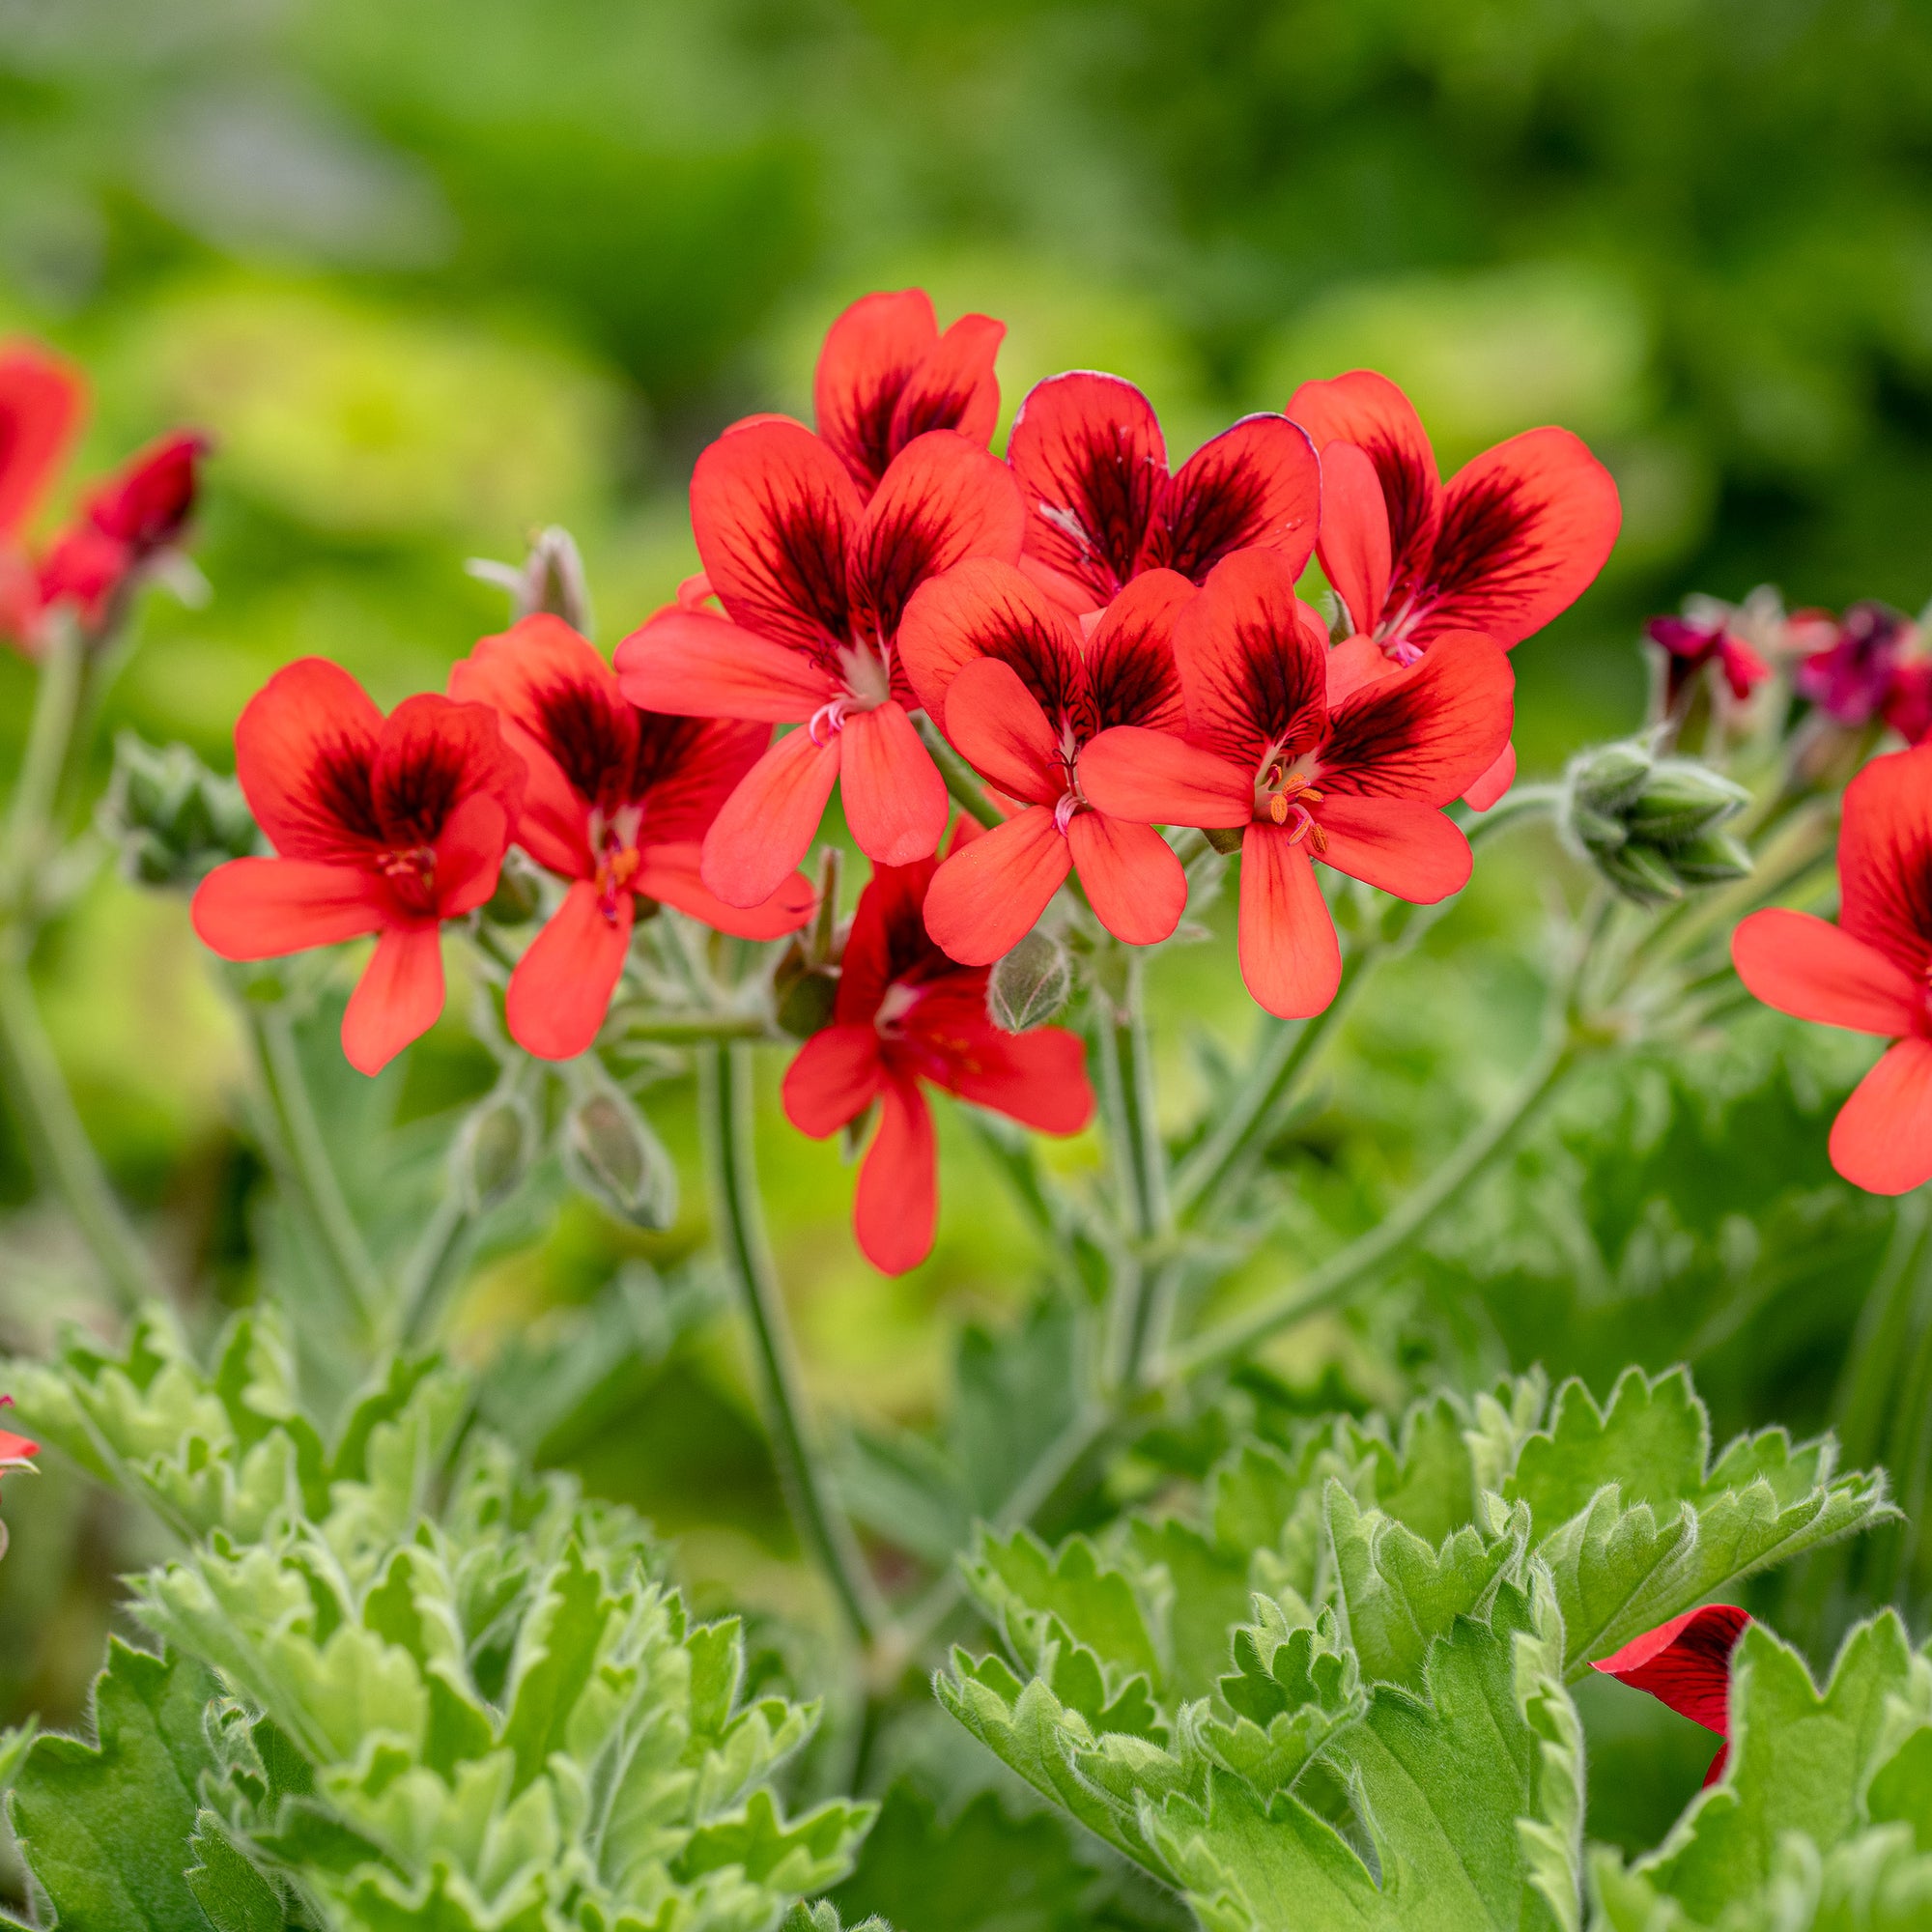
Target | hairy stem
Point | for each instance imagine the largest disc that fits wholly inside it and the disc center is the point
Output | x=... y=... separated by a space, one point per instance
x=725 y=1120
x=435 y=1266
x=1140 y=1175
x=57 y=702
x=961 y=781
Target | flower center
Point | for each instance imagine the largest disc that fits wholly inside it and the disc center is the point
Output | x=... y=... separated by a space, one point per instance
x=900 y=1001
x=1283 y=792
x=614 y=840
x=411 y=875
x=867 y=672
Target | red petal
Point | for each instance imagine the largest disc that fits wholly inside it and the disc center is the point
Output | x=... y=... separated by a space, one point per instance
x=986 y=897
x=1806 y=966
x=693 y=665
x=1132 y=879
x=688 y=769
x=670 y=873
x=306 y=738
x=1092 y=465
x=1370 y=411
x=469 y=854
x=889 y=939
x=145 y=504
x=1353 y=663
x=954 y=386
x=1038 y=1078
x=1396 y=844
x=1525 y=529
x=1131 y=668
x=398 y=998
x=1257 y=485
x=16 y=1450
x=431 y=754
x=996 y=722
x=1291 y=961
x=984 y=609
x=1489 y=788
x=262 y=908
x=561 y=988
x=833 y=1079
x=1254 y=674
x=1430 y=731
x=1885 y=856
x=773 y=512
x=896 y=801
x=898 y=1203
x=869 y=356
x=1685 y=1664
x=1154 y=777
x=768 y=824
x=1357 y=556
x=1881 y=1140
x=942 y=502
x=40 y=405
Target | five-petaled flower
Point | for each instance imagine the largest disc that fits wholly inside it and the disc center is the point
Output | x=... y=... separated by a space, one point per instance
x=1314 y=753
x=1870 y=972
x=617 y=801
x=1514 y=538
x=1688 y=647
x=382 y=825
x=906 y=1014
x=1010 y=679
x=1101 y=505
x=1686 y=1664
x=887 y=375
x=814 y=581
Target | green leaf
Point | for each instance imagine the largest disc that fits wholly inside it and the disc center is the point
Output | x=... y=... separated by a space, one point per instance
x=1027 y=1588
x=227 y=1886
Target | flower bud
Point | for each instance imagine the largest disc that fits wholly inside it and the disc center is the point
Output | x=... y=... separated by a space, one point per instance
x=1608 y=776
x=514 y=900
x=494 y=1150
x=1650 y=825
x=611 y=1153
x=1680 y=800
x=803 y=993
x=551 y=578
x=171 y=817
x=1029 y=985
x=1715 y=858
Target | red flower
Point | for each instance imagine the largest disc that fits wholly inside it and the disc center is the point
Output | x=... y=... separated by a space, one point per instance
x=1685 y=1664
x=886 y=375
x=1908 y=704
x=907 y=1015
x=617 y=801
x=1008 y=676
x=17 y=1452
x=384 y=825
x=1852 y=677
x=1318 y=755
x=814 y=582
x=1101 y=506
x=40 y=403
x=1689 y=647
x=1869 y=972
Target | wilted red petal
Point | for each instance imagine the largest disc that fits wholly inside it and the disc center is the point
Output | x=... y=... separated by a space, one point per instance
x=996 y=722
x=1132 y=669
x=1370 y=411
x=40 y=403
x=1807 y=966
x=954 y=386
x=1254 y=674
x=1885 y=858
x=304 y=748
x=690 y=664
x=984 y=899
x=398 y=998
x=1154 y=777
x=987 y=608
x=833 y=1078
x=896 y=802
x=1881 y=1140
x=1132 y=879
x=561 y=988
x=1291 y=960
x=262 y=908
x=1357 y=556
x=1685 y=1664
x=672 y=874
x=1037 y=1078
x=869 y=356
x=1091 y=467
x=767 y=825
x=1491 y=785
x=1255 y=485
x=1397 y=844
x=897 y=1207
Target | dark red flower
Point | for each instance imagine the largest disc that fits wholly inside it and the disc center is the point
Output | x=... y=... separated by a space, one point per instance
x=1870 y=972
x=1851 y=677
x=617 y=801
x=1101 y=506
x=384 y=825
x=41 y=400
x=1335 y=755
x=887 y=375
x=138 y=512
x=1010 y=679
x=907 y=1016
x=1689 y=647
x=1908 y=703
x=1685 y=1664
x=813 y=581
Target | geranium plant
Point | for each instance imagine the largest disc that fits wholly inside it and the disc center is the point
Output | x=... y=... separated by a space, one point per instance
x=1207 y=1646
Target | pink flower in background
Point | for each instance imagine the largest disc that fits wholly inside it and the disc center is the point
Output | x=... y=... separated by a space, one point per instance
x=1688 y=647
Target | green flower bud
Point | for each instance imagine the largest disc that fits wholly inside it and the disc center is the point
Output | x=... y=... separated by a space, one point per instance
x=551 y=578
x=1650 y=825
x=1609 y=777
x=1029 y=985
x=1598 y=831
x=803 y=994
x=494 y=1150
x=171 y=817
x=612 y=1155
x=1713 y=860
x=1680 y=800
x=1642 y=874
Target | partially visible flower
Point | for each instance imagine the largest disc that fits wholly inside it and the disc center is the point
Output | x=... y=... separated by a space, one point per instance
x=887 y=375
x=814 y=581
x=1908 y=704
x=1851 y=676
x=384 y=825
x=1686 y=1664
x=1102 y=506
x=906 y=1018
x=1688 y=647
x=617 y=801
x=40 y=403
x=1869 y=972
x=1006 y=675
x=17 y=1452
x=1313 y=754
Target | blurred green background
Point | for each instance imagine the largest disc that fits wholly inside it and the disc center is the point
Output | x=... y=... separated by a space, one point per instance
x=435 y=274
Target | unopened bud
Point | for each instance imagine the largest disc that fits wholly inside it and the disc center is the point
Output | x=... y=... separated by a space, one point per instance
x=173 y=818
x=1715 y=858
x=494 y=1150
x=1609 y=776
x=1225 y=839
x=1641 y=875
x=1681 y=799
x=1650 y=825
x=612 y=1155
x=551 y=578
x=513 y=903
x=1029 y=985
x=803 y=994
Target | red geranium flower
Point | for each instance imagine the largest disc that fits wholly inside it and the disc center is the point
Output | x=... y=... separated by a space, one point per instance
x=1008 y=676
x=40 y=405
x=616 y=802
x=1514 y=538
x=1685 y=1664
x=1852 y=677
x=1318 y=755
x=387 y=826
x=17 y=1452
x=1689 y=647
x=813 y=581
x=1869 y=972
x=1101 y=506
x=907 y=1015
x=887 y=375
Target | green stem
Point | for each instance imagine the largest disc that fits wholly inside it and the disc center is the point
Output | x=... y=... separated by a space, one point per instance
x=1911 y=1460
x=1884 y=1327
x=724 y=1123
x=434 y=1266
x=1517 y=804
x=692 y=1029
x=1140 y=1175
x=57 y=699
x=960 y=778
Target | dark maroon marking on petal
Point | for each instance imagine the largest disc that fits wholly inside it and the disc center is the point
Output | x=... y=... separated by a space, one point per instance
x=1040 y=658
x=344 y=795
x=1223 y=510
x=896 y=557
x=1280 y=692
x=1105 y=507
x=416 y=794
x=663 y=746
x=1365 y=734
x=1134 y=681
x=588 y=736
x=1408 y=493
x=1481 y=545
x=871 y=427
x=938 y=408
x=810 y=562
